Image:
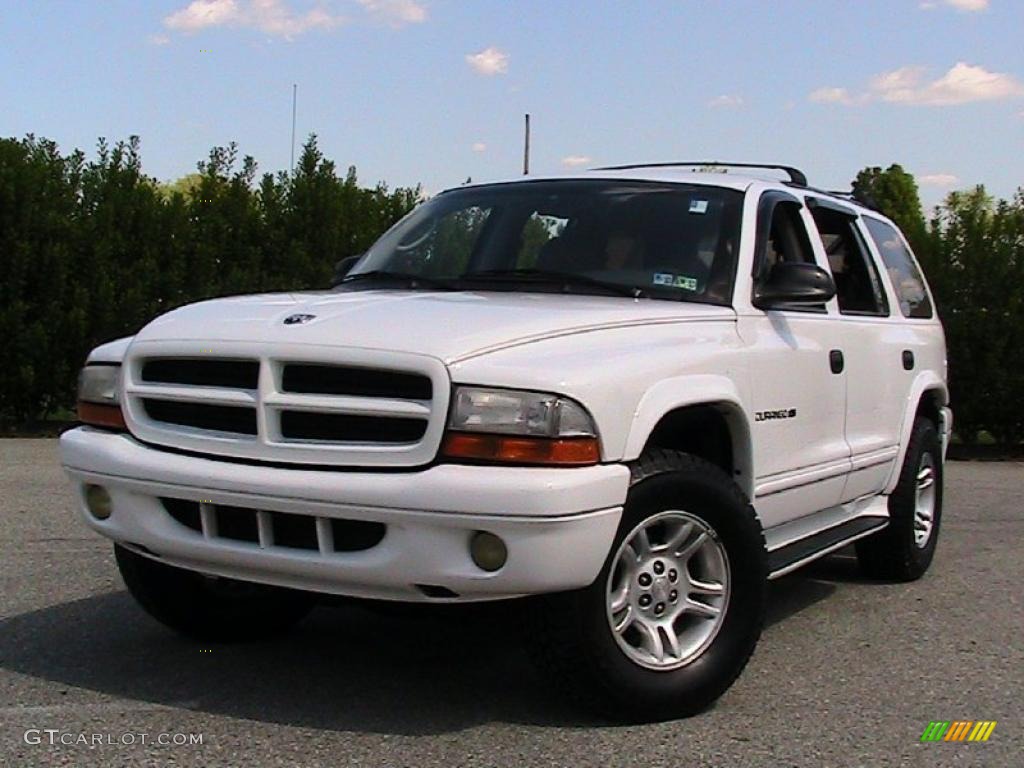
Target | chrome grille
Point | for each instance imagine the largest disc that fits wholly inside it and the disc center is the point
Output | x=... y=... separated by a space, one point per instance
x=345 y=407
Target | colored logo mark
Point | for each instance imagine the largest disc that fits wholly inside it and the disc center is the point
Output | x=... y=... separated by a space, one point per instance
x=958 y=730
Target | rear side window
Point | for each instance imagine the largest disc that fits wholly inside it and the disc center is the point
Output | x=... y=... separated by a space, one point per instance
x=858 y=285
x=906 y=277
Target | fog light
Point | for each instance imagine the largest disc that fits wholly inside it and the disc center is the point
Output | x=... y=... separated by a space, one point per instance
x=98 y=501
x=488 y=551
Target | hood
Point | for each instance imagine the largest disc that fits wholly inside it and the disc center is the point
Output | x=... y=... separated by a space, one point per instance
x=450 y=326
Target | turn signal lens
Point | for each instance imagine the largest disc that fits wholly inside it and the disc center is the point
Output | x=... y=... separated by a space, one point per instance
x=107 y=416
x=562 y=452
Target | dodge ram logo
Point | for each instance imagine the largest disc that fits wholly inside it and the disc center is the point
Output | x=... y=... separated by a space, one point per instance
x=298 y=319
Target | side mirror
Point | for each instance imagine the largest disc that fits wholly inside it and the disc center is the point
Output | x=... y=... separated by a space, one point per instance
x=794 y=284
x=343 y=267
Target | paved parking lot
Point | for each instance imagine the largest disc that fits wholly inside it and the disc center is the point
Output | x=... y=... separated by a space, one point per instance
x=848 y=672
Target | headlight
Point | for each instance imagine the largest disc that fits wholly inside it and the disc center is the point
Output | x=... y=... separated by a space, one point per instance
x=515 y=427
x=99 y=389
x=510 y=412
x=100 y=384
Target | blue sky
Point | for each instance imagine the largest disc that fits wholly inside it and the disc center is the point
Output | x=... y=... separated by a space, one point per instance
x=433 y=91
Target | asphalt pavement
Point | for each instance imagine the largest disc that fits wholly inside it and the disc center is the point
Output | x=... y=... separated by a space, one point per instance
x=849 y=672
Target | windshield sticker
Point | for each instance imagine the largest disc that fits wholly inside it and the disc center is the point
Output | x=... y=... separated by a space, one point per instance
x=663 y=278
x=689 y=283
x=698 y=206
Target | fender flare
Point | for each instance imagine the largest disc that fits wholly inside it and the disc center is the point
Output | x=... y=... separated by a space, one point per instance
x=698 y=389
x=926 y=381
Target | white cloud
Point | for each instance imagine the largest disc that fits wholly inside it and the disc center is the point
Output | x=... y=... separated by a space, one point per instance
x=479 y=146
x=489 y=61
x=962 y=84
x=727 y=101
x=159 y=39
x=272 y=17
x=832 y=96
x=396 y=12
x=938 y=180
x=967 y=6
x=575 y=161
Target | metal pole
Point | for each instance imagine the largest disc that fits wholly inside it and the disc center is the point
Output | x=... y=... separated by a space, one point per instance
x=295 y=98
x=526 y=148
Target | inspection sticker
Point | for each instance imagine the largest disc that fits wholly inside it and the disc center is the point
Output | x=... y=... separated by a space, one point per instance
x=698 y=206
x=689 y=283
x=663 y=278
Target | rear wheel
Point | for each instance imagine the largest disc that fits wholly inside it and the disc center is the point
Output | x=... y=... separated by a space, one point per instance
x=208 y=607
x=904 y=550
x=676 y=611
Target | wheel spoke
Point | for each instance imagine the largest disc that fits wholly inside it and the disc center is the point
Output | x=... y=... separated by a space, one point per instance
x=680 y=536
x=652 y=640
x=704 y=610
x=690 y=549
x=675 y=650
x=641 y=544
x=698 y=587
x=620 y=599
x=623 y=622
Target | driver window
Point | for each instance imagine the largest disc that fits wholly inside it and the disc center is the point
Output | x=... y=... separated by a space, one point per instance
x=787 y=238
x=441 y=247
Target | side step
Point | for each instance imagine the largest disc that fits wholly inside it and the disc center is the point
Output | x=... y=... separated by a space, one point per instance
x=798 y=553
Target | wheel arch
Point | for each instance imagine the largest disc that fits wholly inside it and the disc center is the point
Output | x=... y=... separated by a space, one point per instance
x=702 y=415
x=928 y=396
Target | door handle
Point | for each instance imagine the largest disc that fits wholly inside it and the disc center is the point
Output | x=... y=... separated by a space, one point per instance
x=908 y=360
x=835 y=360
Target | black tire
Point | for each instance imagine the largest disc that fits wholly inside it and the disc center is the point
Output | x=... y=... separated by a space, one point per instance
x=207 y=608
x=569 y=634
x=892 y=553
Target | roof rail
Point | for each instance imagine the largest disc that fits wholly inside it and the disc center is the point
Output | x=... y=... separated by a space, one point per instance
x=796 y=176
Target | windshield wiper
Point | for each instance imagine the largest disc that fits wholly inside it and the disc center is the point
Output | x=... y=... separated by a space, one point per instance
x=408 y=279
x=553 y=277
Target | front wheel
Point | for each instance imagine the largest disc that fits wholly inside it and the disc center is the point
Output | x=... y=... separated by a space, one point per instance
x=208 y=607
x=676 y=611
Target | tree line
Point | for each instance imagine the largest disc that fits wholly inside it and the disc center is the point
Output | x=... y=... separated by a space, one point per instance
x=92 y=250
x=972 y=251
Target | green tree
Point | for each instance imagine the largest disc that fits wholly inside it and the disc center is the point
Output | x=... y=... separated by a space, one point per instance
x=894 y=192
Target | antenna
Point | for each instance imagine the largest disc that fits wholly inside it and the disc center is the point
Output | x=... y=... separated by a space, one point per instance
x=526 y=147
x=295 y=99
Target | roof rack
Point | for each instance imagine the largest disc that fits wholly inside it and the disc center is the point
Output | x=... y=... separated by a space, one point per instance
x=796 y=176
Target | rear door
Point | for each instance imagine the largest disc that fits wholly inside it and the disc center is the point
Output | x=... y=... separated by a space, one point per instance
x=871 y=339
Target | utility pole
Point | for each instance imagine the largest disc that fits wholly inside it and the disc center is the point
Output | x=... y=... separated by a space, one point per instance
x=526 y=148
x=295 y=98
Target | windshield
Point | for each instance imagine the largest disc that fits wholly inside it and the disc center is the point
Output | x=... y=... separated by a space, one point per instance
x=666 y=241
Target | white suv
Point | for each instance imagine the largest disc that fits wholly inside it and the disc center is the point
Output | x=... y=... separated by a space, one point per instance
x=637 y=393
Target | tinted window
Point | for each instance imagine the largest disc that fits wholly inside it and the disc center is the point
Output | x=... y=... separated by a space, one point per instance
x=787 y=238
x=672 y=241
x=858 y=287
x=905 y=276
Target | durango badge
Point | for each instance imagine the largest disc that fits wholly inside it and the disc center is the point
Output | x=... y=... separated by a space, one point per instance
x=298 y=319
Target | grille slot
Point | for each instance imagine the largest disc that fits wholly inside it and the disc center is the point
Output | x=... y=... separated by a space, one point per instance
x=350 y=428
x=237 y=523
x=235 y=419
x=232 y=374
x=355 y=382
x=185 y=512
x=286 y=530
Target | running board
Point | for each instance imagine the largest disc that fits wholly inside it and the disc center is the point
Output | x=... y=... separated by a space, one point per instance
x=802 y=551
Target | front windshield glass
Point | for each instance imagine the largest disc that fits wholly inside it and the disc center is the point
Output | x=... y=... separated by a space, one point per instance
x=665 y=241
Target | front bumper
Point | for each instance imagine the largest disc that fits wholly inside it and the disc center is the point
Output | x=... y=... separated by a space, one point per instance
x=558 y=524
